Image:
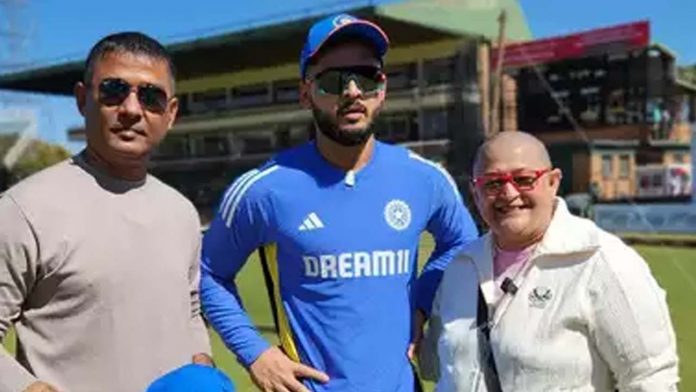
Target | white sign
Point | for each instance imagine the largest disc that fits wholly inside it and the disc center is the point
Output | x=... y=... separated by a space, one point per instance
x=646 y=218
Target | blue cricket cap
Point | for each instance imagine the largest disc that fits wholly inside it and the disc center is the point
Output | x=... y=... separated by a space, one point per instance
x=334 y=26
x=192 y=378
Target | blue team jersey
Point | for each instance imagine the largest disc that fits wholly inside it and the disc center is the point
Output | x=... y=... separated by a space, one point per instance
x=340 y=257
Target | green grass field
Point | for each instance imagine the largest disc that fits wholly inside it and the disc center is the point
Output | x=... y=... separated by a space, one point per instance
x=674 y=268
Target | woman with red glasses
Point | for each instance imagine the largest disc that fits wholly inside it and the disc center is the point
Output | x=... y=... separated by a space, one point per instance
x=546 y=300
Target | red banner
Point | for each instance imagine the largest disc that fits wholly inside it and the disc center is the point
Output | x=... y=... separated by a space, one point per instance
x=613 y=39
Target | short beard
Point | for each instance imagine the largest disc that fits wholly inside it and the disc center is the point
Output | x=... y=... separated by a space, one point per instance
x=328 y=127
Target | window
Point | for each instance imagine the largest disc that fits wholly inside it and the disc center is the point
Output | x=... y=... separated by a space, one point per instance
x=657 y=180
x=683 y=109
x=440 y=71
x=399 y=129
x=287 y=91
x=434 y=124
x=396 y=127
x=210 y=100
x=183 y=105
x=256 y=141
x=624 y=166
x=173 y=147
x=254 y=95
x=401 y=77
x=607 y=166
x=644 y=182
x=210 y=145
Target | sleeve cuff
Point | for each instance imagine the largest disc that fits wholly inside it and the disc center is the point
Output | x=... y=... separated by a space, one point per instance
x=249 y=354
x=424 y=295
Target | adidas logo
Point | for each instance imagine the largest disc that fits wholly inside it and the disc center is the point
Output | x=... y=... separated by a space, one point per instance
x=311 y=222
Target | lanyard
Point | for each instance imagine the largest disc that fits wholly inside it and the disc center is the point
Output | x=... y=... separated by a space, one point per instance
x=502 y=304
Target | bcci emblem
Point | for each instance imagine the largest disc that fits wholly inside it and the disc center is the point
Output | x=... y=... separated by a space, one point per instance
x=397 y=214
x=342 y=19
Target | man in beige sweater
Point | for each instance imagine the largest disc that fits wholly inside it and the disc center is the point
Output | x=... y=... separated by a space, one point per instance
x=99 y=260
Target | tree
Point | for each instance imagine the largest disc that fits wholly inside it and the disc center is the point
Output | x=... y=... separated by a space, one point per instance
x=687 y=73
x=38 y=156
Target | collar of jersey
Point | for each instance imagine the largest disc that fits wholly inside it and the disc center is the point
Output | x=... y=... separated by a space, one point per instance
x=332 y=170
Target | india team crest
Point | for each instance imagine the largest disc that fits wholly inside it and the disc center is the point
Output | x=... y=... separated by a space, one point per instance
x=397 y=214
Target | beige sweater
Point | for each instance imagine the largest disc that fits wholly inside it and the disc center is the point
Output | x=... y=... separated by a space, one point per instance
x=100 y=279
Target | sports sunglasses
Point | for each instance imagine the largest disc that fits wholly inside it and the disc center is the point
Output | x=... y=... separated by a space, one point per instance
x=334 y=81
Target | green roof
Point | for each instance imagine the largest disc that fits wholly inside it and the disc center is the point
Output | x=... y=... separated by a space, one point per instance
x=410 y=21
x=464 y=17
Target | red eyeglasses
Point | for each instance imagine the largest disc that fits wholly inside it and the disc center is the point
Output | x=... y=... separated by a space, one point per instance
x=522 y=180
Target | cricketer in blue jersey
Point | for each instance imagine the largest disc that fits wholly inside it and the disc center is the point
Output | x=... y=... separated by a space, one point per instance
x=338 y=222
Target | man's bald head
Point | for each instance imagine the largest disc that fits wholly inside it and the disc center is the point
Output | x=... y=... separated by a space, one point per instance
x=515 y=149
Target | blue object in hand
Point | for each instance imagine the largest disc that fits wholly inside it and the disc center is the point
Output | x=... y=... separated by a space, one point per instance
x=193 y=378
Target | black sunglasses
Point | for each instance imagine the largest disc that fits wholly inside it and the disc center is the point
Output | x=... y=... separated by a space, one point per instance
x=334 y=81
x=113 y=91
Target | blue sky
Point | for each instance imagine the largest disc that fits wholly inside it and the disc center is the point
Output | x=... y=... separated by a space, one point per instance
x=62 y=30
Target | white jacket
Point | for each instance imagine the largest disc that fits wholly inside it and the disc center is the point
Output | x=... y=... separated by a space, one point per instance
x=588 y=316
